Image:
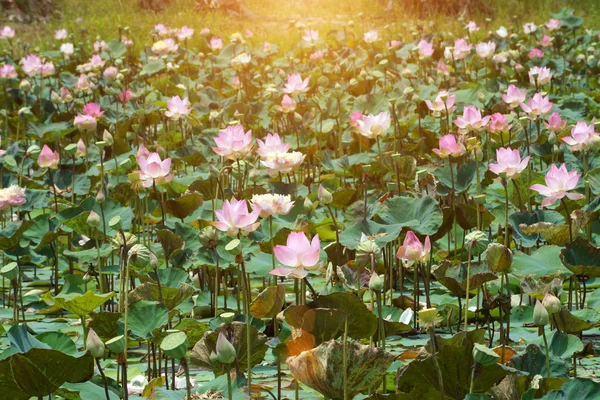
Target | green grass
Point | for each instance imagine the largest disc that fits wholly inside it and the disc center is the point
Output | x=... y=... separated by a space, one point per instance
x=103 y=18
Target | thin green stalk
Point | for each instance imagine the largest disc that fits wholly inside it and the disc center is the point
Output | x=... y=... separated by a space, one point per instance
x=468 y=286
x=547 y=352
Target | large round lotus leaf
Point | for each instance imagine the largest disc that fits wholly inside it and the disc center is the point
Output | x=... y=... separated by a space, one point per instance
x=172 y=297
x=80 y=305
x=422 y=215
x=454 y=277
x=321 y=368
x=582 y=258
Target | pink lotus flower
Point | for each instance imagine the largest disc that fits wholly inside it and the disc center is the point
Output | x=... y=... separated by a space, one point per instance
x=393 y=44
x=272 y=204
x=127 y=42
x=559 y=181
x=311 y=36
x=61 y=34
x=372 y=126
x=471 y=27
x=581 y=136
x=541 y=75
x=535 y=53
x=8 y=71
x=529 y=28
x=471 y=119
x=555 y=124
x=82 y=84
x=443 y=69
x=299 y=255
x=142 y=152
x=205 y=32
x=499 y=123
x=184 y=33
x=234 y=218
x=538 y=105
x=287 y=104
x=100 y=46
x=32 y=65
x=425 y=49
x=546 y=41
x=514 y=96
x=178 y=107
x=295 y=84
x=12 y=196
x=154 y=170
x=371 y=37
x=216 y=43
x=47 y=158
x=283 y=163
x=355 y=117
x=232 y=143
x=67 y=49
x=485 y=49
x=85 y=122
x=7 y=32
x=272 y=145
x=449 y=147
x=443 y=103
x=81 y=150
x=92 y=109
x=509 y=163
x=110 y=73
x=125 y=96
x=461 y=49
x=316 y=56
x=162 y=30
x=412 y=250
x=553 y=24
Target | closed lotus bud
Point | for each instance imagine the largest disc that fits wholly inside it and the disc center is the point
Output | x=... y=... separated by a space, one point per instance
x=406 y=73
x=498 y=257
x=93 y=220
x=540 y=315
x=25 y=85
x=213 y=172
x=254 y=175
x=308 y=205
x=594 y=143
x=33 y=150
x=481 y=97
x=297 y=118
x=376 y=282
x=94 y=344
x=552 y=139
x=225 y=350
x=100 y=198
x=551 y=303
x=139 y=256
x=81 y=149
x=325 y=196
x=107 y=138
x=478 y=155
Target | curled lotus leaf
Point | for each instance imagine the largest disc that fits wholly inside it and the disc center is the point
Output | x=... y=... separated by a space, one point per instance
x=582 y=258
x=454 y=277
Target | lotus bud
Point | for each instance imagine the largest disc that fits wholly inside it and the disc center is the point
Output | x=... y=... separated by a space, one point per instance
x=481 y=97
x=325 y=196
x=376 y=282
x=213 y=172
x=107 y=138
x=55 y=98
x=594 y=143
x=154 y=263
x=308 y=205
x=100 y=198
x=406 y=73
x=139 y=256
x=33 y=151
x=498 y=257
x=93 y=220
x=323 y=81
x=540 y=315
x=81 y=150
x=213 y=357
x=94 y=344
x=552 y=139
x=297 y=118
x=551 y=303
x=25 y=85
x=225 y=350
x=209 y=237
x=254 y=175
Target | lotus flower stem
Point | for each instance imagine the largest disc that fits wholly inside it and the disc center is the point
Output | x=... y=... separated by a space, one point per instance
x=564 y=203
x=53 y=189
x=188 y=386
x=247 y=300
x=381 y=332
x=229 y=389
x=453 y=208
x=103 y=378
x=468 y=286
x=435 y=361
x=345 y=357
x=160 y=202
x=547 y=352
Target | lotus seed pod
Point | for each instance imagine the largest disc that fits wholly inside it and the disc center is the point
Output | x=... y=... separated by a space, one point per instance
x=139 y=256
x=209 y=237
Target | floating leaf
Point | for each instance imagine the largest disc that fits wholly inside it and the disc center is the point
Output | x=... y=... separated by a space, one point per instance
x=269 y=302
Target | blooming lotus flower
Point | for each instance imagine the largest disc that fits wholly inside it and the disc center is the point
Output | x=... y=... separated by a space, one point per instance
x=502 y=32
x=184 y=33
x=392 y=44
x=287 y=104
x=142 y=152
x=162 y=30
x=272 y=145
x=541 y=75
x=67 y=49
x=546 y=41
x=110 y=73
x=552 y=24
x=443 y=103
x=500 y=58
x=85 y=122
x=529 y=28
x=82 y=84
x=127 y=42
x=295 y=84
x=555 y=124
x=8 y=71
x=559 y=182
x=499 y=123
x=100 y=46
x=92 y=109
x=165 y=46
x=12 y=196
x=509 y=164
x=485 y=49
x=47 y=158
x=449 y=147
x=272 y=204
x=514 y=96
x=7 y=32
x=61 y=34
x=443 y=69
x=284 y=163
x=125 y=96
x=537 y=105
x=232 y=143
x=412 y=250
x=425 y=49
x=32 y=65
x=240 y=60
x=461 y=49
x=371 y=37
x=471 y=119
x=204 y=32
x=316 y=56
x=535 y=53
x=355 y=117
x=372 y=126
x=216 y=43
x=311 y=36
x=178 y=107
x=581 y=136
x=471 y=27
x=298 y=254
x=234 y=218
x=47 y=69
x=153 y=167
